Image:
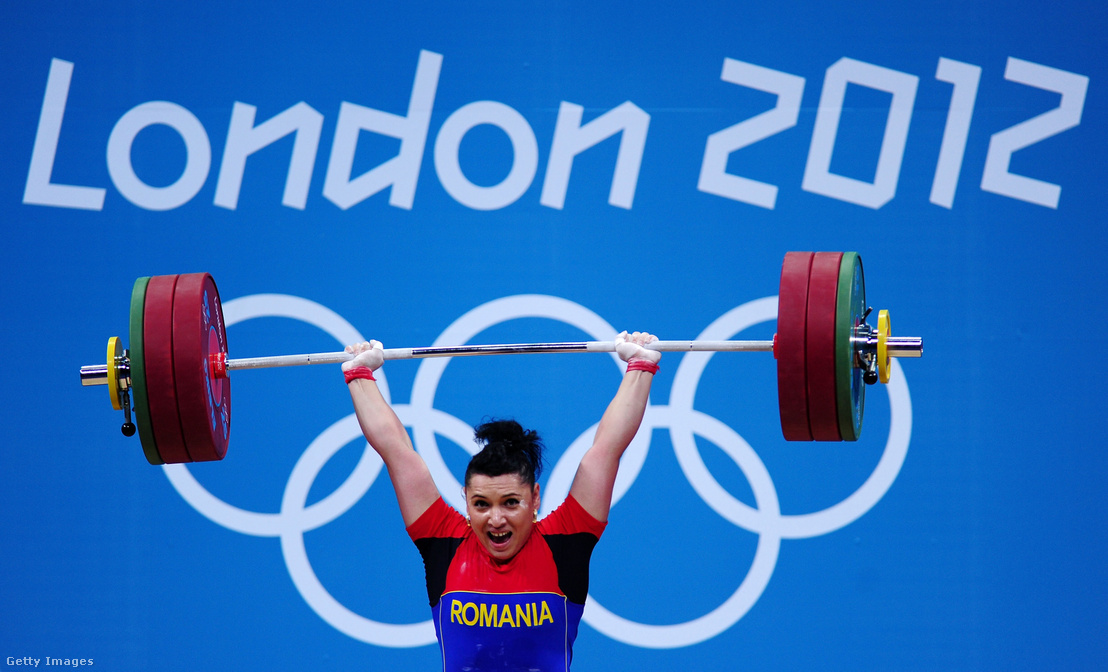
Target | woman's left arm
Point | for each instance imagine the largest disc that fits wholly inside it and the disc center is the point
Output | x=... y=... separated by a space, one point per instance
x=596 y=476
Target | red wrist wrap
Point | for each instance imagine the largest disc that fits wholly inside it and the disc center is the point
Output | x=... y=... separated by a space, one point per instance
x=359 y=372
x=642 y=365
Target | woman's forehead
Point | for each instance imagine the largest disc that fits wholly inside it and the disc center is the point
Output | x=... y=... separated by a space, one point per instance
x=496 y=486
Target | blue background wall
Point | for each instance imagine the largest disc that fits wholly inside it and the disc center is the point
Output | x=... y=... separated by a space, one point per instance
x=981 y=543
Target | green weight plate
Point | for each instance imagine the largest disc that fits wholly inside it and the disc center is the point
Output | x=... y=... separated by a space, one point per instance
x=850 y=308
x=138 y=375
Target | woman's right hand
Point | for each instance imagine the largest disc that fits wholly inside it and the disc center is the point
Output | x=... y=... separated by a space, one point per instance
x=370 y=355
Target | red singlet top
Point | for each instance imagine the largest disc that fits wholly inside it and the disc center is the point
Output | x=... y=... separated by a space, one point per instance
x=519 y=615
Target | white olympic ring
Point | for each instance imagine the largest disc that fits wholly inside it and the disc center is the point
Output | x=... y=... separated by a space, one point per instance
x=682 y=420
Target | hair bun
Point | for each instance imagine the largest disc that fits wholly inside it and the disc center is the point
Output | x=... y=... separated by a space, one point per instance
x=507 y=432
x=507 y=448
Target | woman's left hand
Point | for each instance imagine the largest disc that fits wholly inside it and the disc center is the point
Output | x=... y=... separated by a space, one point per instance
x=630 y=347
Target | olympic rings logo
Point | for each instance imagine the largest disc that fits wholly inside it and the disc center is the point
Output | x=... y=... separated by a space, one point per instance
x=683 y=421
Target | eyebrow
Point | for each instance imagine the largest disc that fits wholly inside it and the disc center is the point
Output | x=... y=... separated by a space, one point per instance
x=507 y=495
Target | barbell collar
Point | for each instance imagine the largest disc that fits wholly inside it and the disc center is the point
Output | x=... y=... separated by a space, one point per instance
x=95 y=374
x=902 y=346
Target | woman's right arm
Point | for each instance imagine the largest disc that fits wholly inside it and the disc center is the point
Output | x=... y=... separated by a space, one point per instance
x=411 y=479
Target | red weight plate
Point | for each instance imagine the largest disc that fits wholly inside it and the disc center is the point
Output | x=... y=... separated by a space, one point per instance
x=819 y=339
x=161 y=388
x=203 y=400
x=789 y=347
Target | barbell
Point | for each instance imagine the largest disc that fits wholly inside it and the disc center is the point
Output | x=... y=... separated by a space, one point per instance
x=177 y=371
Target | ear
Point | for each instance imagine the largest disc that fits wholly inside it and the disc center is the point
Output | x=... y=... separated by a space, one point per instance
x=535 y=499
x=469 y=510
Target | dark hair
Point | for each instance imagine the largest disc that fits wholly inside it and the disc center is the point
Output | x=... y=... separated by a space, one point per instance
x=508 y=449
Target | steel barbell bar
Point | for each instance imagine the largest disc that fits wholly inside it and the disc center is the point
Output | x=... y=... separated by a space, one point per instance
x=898 y=346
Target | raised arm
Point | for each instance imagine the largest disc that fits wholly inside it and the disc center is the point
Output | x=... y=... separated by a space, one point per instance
x=596 y=476
x=411 y=479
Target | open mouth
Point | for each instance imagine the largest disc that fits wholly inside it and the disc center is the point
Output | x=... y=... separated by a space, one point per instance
x=499 y=538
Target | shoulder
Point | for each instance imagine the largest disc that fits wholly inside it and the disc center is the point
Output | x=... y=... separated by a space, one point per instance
x=571 y=518
x=438 y=521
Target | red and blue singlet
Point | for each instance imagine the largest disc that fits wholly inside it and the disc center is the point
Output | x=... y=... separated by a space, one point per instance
x=519 y=615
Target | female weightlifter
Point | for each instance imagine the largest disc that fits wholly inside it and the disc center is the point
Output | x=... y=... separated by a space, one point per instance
x=506 y=590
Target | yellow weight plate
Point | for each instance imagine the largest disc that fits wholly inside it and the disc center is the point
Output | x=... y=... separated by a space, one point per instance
x=884 y=328
x=115 y=349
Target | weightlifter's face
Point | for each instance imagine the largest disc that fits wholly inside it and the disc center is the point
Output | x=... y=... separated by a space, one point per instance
x=501 y=512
